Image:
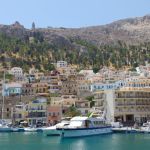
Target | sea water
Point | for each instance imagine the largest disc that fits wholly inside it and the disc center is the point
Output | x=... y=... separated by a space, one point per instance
x=38 y=141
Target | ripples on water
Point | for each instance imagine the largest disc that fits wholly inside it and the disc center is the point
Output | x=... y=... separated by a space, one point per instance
x=38 y=141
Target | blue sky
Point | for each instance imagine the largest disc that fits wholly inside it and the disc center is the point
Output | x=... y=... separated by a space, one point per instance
x=70 y=13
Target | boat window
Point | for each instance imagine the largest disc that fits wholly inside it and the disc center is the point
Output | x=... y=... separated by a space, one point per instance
x=88 y=123
x=98 y=123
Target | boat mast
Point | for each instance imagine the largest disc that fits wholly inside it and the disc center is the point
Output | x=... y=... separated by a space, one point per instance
x=3 y=94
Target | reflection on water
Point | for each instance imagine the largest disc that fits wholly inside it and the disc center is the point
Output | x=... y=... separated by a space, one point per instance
x=74 y=144
x=38 y=141
x=4 y=137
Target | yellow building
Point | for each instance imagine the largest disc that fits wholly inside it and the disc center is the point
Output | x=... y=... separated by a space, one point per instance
x=41 y=89
x=37 y=111
x=132 y=104
x=127 y=105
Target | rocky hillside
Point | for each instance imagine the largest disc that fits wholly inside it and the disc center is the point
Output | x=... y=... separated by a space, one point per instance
x=121 y=43
x=131 y=31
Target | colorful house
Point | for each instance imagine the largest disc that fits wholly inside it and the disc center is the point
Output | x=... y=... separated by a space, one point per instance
x=54 y=114
x=37 y=111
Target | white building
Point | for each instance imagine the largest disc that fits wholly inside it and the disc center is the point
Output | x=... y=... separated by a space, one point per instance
x=87 y=72
x=61 y=64
x=16 y=71
x=107 y=86
x=83 y=106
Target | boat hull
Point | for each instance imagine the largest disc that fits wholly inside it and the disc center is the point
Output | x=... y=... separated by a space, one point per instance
x=5 y=129
x=125 y=130
x=84 y=132
x=18 y=129
x=52 y=132
x=30 y=129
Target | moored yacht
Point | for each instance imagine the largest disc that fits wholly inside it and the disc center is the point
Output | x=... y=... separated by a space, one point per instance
x=85 y=126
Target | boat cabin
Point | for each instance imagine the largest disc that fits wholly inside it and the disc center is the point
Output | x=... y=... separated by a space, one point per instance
x=86 y=122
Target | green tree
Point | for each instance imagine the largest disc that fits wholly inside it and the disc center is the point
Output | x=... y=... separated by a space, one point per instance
x=95 y=69
x=90 y=99
x=72 y=112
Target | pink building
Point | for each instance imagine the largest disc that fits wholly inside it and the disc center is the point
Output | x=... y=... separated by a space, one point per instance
x=54 y=114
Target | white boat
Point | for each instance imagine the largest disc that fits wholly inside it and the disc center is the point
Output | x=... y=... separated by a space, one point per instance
x=85 y=126
x=116 y=124
x=52 y=131
x=30 y=129
x=4 y=127
x=41 y=129
x=125 y=130
x=146 y=127
x=16 y=129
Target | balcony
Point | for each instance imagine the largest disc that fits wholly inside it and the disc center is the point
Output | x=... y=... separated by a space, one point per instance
x=133 y=96
x=125 y=110
x=36 y=115
x=81 y=106
x=125 y=104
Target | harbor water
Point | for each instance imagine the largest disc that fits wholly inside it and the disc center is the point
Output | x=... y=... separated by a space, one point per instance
x=38 y=141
